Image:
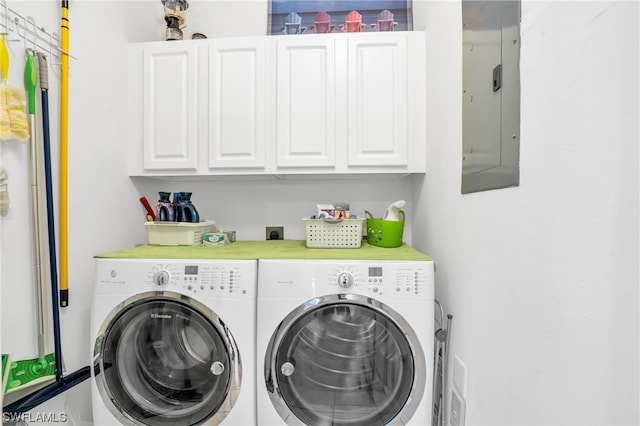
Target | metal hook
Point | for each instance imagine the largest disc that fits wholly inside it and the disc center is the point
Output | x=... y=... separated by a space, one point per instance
x=17 y=18
x=50 y=40
x=32 y=21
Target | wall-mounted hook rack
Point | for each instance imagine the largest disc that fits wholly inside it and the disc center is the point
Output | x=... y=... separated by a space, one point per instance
x=25 y=29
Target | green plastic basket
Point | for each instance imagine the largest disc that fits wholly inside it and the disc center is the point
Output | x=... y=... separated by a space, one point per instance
x=384 y=233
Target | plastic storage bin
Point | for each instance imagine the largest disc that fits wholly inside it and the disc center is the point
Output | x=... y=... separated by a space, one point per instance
x=178 y=233
x=321 y=233
x=384 y=233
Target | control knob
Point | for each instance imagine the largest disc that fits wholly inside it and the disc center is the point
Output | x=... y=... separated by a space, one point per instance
x=161 y=277
x=345 y=279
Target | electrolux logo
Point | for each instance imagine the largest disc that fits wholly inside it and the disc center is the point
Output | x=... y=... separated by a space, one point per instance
x=47 y=417
x=161 y=316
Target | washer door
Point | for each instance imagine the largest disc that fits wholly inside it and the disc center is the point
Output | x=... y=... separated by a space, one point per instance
x=162 y=358
x=344 y=359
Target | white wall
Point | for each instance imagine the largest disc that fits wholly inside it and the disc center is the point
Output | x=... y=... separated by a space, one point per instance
x=542 y=279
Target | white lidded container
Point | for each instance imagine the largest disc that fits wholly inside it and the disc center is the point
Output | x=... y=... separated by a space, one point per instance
x=178 y=233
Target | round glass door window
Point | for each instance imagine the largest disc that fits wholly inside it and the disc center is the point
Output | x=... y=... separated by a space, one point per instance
x=344 y=362
x=163 y=362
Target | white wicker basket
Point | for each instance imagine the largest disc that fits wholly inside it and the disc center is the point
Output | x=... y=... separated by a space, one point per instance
x=333 y=234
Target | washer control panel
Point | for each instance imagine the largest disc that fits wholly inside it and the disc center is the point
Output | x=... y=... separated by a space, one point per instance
x=200 y=278
x=212 y=278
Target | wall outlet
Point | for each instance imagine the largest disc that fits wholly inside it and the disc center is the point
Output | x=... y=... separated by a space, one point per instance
x=458 y=408
x=275 y=232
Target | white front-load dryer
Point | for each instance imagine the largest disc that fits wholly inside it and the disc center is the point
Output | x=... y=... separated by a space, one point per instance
x=173 y=342
x=345 y=342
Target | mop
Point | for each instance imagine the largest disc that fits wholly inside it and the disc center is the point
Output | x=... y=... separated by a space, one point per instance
x=13 y=120
x=30 y=372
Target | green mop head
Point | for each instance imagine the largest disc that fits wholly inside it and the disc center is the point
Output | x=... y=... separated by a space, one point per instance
x=29 y=372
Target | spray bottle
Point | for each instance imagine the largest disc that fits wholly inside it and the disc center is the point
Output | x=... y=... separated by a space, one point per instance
x=393 y=211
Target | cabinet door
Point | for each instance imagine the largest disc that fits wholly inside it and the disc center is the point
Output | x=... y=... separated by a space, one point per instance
x=377 y=94
x=306 y=99
x=237 y=111
x=170 y=89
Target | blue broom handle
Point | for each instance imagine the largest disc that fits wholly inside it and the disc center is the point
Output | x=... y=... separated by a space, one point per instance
x=44 y=87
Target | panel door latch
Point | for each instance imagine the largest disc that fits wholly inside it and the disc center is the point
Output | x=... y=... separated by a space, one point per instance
x=497 y=77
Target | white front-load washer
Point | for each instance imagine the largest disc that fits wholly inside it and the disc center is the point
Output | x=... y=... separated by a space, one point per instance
x=345 y=342
x=173 y=342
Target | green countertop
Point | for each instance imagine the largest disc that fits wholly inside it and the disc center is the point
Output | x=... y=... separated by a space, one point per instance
x=273 y=249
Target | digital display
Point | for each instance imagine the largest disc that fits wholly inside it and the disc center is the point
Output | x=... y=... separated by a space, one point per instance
x=191 y=270
x=375 y=271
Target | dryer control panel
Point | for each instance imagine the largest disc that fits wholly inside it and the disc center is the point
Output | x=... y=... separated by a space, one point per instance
x=309 y=278
x=381 y=278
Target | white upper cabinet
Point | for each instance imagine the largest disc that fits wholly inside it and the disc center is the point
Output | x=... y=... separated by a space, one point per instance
x=237 y=109
x=377 y=125
x=166 y=121
x=305 y=102
x=299 y=104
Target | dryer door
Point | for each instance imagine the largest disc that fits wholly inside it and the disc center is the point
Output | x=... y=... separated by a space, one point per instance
x=164 y=359
x=345 y=360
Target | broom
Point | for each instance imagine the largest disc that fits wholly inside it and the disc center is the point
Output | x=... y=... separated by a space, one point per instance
x=13 y=119
x=44 y=91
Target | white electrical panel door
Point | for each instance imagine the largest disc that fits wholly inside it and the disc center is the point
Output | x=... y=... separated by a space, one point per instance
x=306 y=102
x=237 y=111
x=170 y=90
x=377 y=113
